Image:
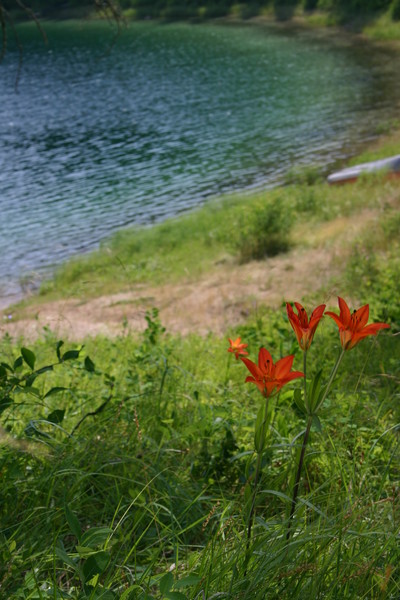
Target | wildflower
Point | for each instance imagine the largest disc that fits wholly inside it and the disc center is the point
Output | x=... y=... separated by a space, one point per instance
x=304 y=328
x=236 y=347
x=270 y=377
x=353 y=326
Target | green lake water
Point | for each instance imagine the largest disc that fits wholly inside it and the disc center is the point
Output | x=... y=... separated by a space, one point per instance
x=97 y=136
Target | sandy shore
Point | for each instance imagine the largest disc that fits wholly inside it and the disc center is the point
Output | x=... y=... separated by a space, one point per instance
x=215 y=303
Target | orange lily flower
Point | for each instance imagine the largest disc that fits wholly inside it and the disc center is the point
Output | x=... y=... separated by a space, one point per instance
x=270 y=377
x=236 y=347
x=353 y=326
x=304 y=328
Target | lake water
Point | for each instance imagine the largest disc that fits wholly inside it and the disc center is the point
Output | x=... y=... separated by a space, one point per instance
x=98 y=138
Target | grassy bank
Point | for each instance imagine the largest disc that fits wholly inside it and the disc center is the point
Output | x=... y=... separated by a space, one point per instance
x=238 y=229
x=378 y=20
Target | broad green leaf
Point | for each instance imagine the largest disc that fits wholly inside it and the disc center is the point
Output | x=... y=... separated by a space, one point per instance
x=29 y=381
x=89 y=365
x=186 y=581
x=55 y=390
x=70 y=355
x=73 y=522
x=56 y=416
x=29 y=357
x=166 y=583
x=5 y=403
x=96 y=564
x=84 y=551
x=6 y=366
x=18 y=362
x=95 y=536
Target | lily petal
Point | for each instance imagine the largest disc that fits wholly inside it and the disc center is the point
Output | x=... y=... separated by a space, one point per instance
x=344 y=312
x=361 y=316
x=283 y=366
x=336 y=318
x=265 y=361
x=252 y=367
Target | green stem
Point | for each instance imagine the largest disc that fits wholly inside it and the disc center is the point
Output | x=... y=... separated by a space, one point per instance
x=331 y=378
x=305 y=377
x=307 y=433
x=256 y=478
x=228 y=364
x=298 y=474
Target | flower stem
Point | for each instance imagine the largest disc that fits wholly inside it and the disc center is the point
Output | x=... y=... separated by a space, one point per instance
x=331 y=378
x=256 y=478
x=305 y=377
x=228 y=364
x=307 y=433
x=298 y=474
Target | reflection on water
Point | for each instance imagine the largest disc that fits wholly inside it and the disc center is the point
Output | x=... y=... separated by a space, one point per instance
x=95 y=140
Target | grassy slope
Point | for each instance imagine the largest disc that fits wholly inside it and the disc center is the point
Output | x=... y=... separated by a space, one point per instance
x=235 y=229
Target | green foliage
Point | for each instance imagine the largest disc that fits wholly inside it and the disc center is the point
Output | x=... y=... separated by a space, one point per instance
x=374 y=268
x=284 y=10
x=264 y=232
x=310 y=5
x=395 y=10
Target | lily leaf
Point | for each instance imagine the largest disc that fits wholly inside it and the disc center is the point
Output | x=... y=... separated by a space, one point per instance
x=314 y=391
x=298 y=400
x=166 y=583
x=262 y=426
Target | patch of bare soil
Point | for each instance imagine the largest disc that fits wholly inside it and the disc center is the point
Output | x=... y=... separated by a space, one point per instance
x=215 y=303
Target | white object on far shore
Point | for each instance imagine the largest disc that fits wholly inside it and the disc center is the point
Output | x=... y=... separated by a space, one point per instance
x=390 y=165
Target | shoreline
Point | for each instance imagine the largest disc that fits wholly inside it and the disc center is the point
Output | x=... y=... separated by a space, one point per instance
x=14 y=300
x=10 y=300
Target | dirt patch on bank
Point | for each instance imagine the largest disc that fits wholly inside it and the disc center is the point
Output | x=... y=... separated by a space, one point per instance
x=215 y=303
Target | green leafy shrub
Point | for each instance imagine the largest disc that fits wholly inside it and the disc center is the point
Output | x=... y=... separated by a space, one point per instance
x=396 y=10
x=284 y=11
x=265 y=234
x=310 y=5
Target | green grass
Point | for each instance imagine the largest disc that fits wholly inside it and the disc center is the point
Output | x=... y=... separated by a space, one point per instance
x=128 y=478
x=235 y=228
x=384 y=29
